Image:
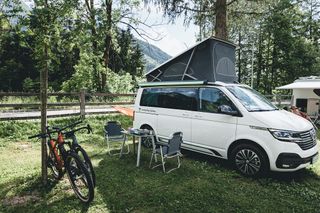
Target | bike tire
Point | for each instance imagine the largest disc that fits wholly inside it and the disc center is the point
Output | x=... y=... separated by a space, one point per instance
x=87 y=162
x=53 y=164
x=76 y=170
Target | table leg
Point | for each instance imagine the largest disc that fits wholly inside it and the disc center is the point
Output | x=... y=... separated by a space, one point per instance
x=134 y=144
x=124 y=141
x=154 y=148
x=138 y=154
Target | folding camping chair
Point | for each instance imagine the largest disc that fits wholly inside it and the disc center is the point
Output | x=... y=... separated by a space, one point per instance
x=112 y=131
x=170 y=150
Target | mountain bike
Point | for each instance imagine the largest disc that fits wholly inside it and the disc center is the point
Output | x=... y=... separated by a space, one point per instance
x=77 y=148
x=59 y=157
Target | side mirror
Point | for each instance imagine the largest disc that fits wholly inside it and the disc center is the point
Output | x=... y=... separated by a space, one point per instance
x=225 y=109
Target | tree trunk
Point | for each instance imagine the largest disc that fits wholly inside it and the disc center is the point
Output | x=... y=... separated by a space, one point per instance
x=267 y=71
x=108 y=39
x=92 y=19
x=43 y=96
x=273 y=68
x=221 y=19
x=239 y=57
x=259 y=59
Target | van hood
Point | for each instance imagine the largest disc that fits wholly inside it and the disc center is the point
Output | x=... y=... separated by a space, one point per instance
x=281 y=119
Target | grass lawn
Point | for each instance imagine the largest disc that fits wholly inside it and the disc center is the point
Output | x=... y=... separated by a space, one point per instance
x=202 y=184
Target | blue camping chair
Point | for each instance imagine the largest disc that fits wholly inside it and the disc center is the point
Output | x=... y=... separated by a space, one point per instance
x=112 y=131
x=166 y=151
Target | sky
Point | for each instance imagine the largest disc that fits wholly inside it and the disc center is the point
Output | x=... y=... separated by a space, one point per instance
x=175 y=38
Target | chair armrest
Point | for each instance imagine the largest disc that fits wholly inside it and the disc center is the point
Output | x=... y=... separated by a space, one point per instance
x=163 y=144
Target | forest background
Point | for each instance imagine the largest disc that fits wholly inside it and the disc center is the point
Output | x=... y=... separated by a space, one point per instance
x=89 y=44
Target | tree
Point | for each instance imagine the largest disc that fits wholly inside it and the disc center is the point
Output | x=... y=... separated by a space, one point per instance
x=205 y=13
x=284 y=52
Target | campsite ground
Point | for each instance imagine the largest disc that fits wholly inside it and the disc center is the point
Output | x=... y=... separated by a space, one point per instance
x=202 y=184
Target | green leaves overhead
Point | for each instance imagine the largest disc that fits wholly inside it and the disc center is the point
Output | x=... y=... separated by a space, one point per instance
x=73 y=39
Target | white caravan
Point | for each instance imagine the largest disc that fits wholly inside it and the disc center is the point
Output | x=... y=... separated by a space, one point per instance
x=229 y=121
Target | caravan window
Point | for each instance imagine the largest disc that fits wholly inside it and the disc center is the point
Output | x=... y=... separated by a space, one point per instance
x=173 y=98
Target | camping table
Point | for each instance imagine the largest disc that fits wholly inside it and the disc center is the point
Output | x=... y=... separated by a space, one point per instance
x=139 y=134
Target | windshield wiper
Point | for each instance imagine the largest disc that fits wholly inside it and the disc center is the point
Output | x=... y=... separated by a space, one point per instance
x=262 y=110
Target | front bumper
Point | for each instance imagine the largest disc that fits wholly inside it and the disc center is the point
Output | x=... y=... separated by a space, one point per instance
x=292 y=160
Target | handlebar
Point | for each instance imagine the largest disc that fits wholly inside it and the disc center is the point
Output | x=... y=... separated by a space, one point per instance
x=58 y=129
x=70 y=133
x=38 y=136
x=50 y=130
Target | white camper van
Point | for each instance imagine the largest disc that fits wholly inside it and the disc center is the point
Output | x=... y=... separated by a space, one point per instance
x=229 y=121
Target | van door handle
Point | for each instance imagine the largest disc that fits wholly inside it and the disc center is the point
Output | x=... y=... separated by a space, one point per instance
x=185 y=115
x=198 y=116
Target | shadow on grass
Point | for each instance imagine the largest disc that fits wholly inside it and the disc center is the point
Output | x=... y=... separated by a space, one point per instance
x=30 y=195
x=203 y=183
x=298 y=176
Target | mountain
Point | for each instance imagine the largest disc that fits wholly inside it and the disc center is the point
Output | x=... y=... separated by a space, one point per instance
x=153 y=55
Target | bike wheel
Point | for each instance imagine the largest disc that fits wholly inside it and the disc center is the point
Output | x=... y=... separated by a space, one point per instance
x=87 y=162
x=79 y=178
x=55 y=166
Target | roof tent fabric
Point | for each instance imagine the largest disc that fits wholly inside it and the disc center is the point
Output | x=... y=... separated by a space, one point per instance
x=210 y=60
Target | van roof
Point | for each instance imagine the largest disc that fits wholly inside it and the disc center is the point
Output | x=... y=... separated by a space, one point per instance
x=182 y=83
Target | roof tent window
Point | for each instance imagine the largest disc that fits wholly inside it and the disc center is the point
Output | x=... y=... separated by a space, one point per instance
x=172 y=98
x=317 y=92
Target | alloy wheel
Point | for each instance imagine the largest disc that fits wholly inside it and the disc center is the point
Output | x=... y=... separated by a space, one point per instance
x=247 y=161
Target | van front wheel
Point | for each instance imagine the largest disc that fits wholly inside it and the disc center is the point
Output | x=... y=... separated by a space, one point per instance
x=249 y=160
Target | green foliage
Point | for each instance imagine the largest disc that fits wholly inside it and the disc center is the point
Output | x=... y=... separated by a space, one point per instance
x=28 y=84
x=84 y=76
x=17 y=130
x=120 y=83
x=72 y=49
x=276 y=36
x=201 y=184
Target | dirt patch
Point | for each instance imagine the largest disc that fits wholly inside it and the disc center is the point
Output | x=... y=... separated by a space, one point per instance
x=21 y=200
x=23 y=146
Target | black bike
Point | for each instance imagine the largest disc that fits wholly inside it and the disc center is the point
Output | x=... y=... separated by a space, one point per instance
x=59 y=157
x=79 y=150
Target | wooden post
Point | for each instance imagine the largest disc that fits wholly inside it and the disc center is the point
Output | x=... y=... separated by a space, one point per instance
x=43 y=97
x=82 y=103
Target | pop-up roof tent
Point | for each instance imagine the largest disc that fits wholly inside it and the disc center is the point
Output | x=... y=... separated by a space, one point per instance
x=210 y=60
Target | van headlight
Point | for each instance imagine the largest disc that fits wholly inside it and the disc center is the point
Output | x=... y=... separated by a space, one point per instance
x=285 y=135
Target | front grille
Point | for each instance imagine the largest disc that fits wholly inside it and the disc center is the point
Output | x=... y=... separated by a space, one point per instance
x=308 y=140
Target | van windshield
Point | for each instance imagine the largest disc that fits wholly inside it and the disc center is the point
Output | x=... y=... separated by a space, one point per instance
x=251 y=99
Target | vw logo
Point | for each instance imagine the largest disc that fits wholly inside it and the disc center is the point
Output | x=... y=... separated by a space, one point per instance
x=313 y=134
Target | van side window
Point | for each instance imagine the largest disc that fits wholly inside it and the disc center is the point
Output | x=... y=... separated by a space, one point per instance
x=212 y=98
x=173 y=98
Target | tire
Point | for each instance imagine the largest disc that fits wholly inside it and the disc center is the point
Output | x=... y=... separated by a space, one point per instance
x=249 y=160
x=53 y=164
x=79 y=178
x=147 y=141
x=87 y=162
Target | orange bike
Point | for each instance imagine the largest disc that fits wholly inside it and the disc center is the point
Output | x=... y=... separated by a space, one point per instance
x=61 y=159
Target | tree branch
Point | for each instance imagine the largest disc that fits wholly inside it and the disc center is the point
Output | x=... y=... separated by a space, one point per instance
x=88 y=6
x=143 y=35
x=231 y=2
